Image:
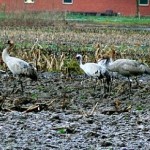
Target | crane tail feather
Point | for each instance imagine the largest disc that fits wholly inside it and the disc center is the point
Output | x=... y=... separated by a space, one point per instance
x=33 y=73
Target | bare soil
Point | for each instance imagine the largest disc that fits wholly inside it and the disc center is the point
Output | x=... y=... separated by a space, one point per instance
x=59 y=112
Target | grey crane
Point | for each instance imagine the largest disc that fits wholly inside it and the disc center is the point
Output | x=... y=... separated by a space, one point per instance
x=126 y=68
x=17 y=66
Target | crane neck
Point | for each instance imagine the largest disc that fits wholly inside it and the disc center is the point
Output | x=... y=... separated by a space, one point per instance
x=108 y=61
x=5 y=54
x=111 y=60
x=80 y=61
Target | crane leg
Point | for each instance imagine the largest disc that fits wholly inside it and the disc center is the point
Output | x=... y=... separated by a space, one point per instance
x=108 y=83
x=129 y=87
x=22 y=89
x=15 y=85
x=137 y=83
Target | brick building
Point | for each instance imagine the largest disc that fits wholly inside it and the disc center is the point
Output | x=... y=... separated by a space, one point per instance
x=124 y=7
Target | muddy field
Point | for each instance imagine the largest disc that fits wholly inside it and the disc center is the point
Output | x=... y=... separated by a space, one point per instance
x=62 y=113
x=70 y=112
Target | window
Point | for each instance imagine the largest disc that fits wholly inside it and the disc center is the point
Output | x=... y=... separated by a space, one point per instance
x=29 y=1
x=143 y=2
x=67 y=1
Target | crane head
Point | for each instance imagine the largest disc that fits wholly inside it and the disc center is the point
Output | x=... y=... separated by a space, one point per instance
x=10 y=42
x=78 y=57
x=105 y=57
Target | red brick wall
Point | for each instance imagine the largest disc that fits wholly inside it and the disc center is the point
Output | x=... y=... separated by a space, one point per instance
x=125 y=7
x=19 y=5
x=145 y=10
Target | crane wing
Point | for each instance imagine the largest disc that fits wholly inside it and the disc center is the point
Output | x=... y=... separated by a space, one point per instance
x=21 y=67
x=131 y=70
x=91 y=69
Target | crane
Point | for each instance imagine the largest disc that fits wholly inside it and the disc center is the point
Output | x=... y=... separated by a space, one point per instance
x=17 y=66
x=126 y=68
x=94 y=70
